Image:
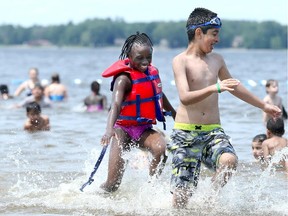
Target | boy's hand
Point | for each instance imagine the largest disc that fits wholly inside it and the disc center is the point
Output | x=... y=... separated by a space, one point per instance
x=272 y=110
x=228 y=84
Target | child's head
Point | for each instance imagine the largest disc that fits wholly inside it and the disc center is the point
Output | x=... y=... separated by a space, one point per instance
x=271 y=86
x=95 y=87
x=275 y=127
x=33 y=73
x=4 y=91
x=201 y=18
x=138 y=48
x=33 y=111
x=38 y=90
x=55 y=78
x=257 y=146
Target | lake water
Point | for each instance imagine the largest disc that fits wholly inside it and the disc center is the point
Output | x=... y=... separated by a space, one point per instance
x=41 y=173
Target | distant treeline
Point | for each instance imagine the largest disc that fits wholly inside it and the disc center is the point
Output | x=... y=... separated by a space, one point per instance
x=107 y=32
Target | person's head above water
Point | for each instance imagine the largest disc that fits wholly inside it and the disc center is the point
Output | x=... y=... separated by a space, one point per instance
x=138 y=38
x=201 y=18
x=138 y=48
x=257 y=146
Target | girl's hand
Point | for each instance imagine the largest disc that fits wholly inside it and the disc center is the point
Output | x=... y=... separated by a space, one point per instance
x=105 y=140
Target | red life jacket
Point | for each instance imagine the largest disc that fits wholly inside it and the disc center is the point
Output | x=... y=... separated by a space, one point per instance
x=143 y=104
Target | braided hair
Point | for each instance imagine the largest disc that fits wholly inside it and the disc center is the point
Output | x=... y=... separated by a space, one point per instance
x=134 y=39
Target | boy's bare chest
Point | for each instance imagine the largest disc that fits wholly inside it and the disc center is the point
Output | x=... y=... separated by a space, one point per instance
x=202 y=75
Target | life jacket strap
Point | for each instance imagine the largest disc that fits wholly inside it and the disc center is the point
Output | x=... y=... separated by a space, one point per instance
x=131 y=102
x=145 y=79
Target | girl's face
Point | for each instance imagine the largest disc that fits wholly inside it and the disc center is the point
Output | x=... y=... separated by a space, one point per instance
x=257 y=150
x=140 y=57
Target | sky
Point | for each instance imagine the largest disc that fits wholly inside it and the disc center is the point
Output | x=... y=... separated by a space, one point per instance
x=53 y=12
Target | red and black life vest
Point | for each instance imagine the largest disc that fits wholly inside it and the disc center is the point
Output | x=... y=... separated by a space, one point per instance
x=143 y=104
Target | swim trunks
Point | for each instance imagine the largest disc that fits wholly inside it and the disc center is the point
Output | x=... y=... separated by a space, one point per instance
x=133 y=131
x=204 y=144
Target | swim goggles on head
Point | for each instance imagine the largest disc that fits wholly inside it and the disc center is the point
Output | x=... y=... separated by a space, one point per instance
x=215 y=22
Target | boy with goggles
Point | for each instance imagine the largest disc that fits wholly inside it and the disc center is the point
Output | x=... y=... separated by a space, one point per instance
x=215 y=22
x=197 y=137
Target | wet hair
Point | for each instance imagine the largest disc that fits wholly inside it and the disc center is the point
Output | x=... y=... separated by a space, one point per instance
x=4 y=89
x=134 y=39
x=33 y=107
x=95 y=86
x=55 y=78
x=259 y=138
x=199 y=16
x=276 y=126
x=270 y=82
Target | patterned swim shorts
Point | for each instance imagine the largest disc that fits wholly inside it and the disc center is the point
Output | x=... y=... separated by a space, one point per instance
x=190 y=149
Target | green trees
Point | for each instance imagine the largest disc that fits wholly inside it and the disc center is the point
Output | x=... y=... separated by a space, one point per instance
x=107 y=32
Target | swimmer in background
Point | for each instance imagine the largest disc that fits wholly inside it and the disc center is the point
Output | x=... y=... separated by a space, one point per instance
x=275 y=142
x=95 y=101
x=4 y=92
x=37 y=96
x=272 y=89
x=36 y=121
x=56 y=91
x=29 y=84
x=257 y=147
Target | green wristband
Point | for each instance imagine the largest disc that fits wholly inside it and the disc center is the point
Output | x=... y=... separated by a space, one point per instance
x=218 y=87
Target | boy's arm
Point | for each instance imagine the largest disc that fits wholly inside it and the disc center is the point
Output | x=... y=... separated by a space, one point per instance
x=242 y=93
x=186 y=96
x=265 y=149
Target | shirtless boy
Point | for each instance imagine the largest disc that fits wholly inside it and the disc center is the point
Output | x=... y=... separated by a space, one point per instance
x=35 y=121
x=200 y=76
x=275 y=141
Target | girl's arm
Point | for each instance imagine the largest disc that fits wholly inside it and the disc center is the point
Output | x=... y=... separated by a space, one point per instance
x=122 y=85
x=20 y=89
x=168 y=107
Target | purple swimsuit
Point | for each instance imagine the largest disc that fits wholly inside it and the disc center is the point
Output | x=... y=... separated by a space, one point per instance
x=134 y=131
